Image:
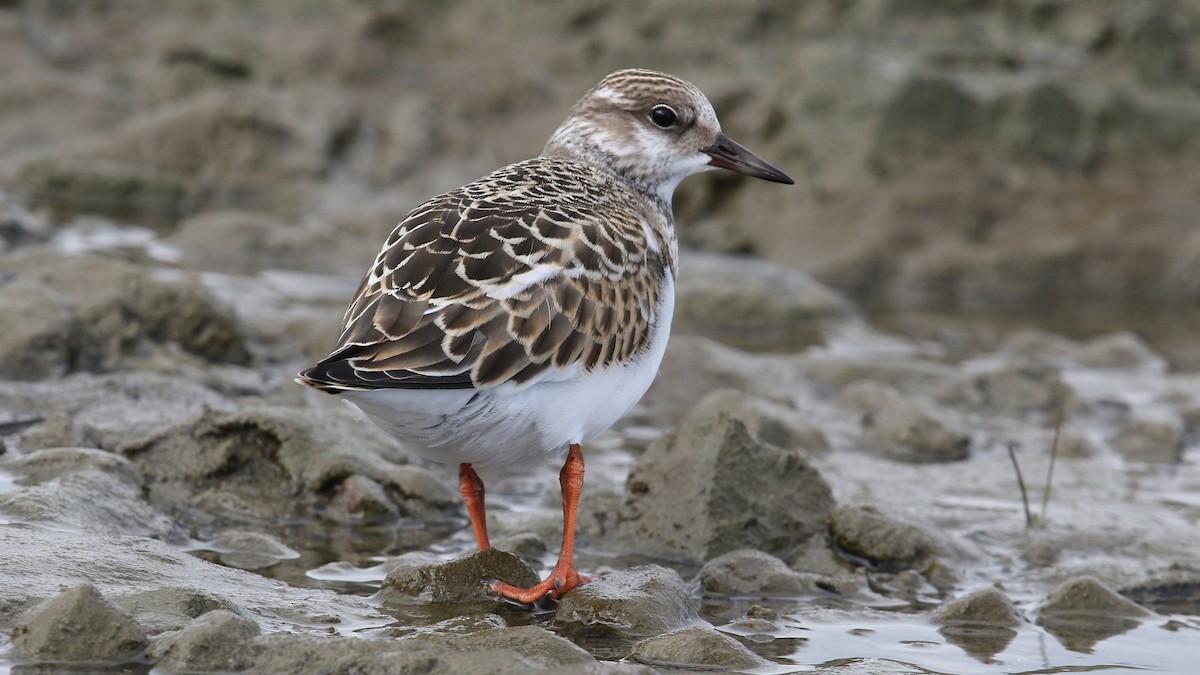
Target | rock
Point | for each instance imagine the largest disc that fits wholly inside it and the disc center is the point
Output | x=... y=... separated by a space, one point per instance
x=926 y=115
x=755 y=305
x=1083 y=611
x=1152 y=434
x=88 y=499
x=213 y=642
x=694 y=367
x=538 y=646
x=909 y=430
x=420 y=579
x=633 y=603
x=96 y=314
x=1012 y=390
x=247 y=242
x=867 y=535
x=687 y=495
x=120 y=190
x=985 y=607
x=746 y=572
x=768 y=422
x=78 y=625
x=1122 y=350
x=125 y=567
x=1087 y=596
x=45 y=465
x=981 y=623
x=360 y=499
x=698 y=648
x=170 y=608
x=250 y=550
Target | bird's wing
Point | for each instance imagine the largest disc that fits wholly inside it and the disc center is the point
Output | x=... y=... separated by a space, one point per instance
x=497 y=288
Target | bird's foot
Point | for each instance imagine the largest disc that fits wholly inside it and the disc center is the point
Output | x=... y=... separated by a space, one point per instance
x=561 y=581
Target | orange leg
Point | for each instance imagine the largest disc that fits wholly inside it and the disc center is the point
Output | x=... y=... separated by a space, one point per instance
x=471 y=486
x=564 y=577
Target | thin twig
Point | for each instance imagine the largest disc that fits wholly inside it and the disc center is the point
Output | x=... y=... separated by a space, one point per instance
x=1058 y=424
x=1012 y=454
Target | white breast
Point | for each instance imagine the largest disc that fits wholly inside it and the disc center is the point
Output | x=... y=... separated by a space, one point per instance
x=533 y=425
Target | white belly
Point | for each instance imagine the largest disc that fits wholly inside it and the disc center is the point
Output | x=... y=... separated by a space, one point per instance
x=533 y=425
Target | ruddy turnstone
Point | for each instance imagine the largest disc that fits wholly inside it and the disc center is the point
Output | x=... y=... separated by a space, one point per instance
x=515 y=318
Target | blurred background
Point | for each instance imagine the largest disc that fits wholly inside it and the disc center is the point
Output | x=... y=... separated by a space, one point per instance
x=965 y=167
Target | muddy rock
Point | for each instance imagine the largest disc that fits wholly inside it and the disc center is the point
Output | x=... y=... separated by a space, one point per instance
x=909 y=430
x=864 y=534
x=78 y=625
x=989 y=607
x=747 y=572
x=1122 y=350
x=770 y=423
x=1013 y=390
x=47 y=464
x=420 y=578
x=1083 y=611
x=109 y=312
x=247 y=242
x=1152 y=434
x=247 y=550
x=981 y=623
x=359 y=498
x=89 y=499
x=535 y=644
x=687 y=494
x=695 y=367
x=698 y=648
x=120 y=190
x=633 y=603
x=170 y=608
x=213 y=642
x=755 y=305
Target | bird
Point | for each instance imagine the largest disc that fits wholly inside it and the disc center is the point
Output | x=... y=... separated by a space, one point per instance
x=514 y=319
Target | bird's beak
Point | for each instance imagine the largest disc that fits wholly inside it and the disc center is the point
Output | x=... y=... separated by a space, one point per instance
x=727 y=153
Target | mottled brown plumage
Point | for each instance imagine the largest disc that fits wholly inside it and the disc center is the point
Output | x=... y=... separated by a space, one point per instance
x=521 y=315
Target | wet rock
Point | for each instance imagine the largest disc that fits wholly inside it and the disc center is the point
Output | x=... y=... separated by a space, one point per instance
x=89 y=499
x=755 y=305
x=770 y=423
x=361 y=499
x=246 y=242
x=1083 y=611
x=637 y=602
x=213 y=642
x=1122 y=350
x=697 y=648
x=869 y=536
x=171 y=607
x=250 y=550
x=123 y=567
x=687 y=494
x=535 y=644
x=1152 y=435
x=980 y=623
x=78 y=625
x=120 y=190
x=419 y=578
x=695 y=367
x=926 y=115
x=987 y=607
x=815 y=557
x=748 y=572
x=527 y=546
x=904 y=429
x=44 y=465
x=1176 y=592
x=1013 y=390
x=96 y=314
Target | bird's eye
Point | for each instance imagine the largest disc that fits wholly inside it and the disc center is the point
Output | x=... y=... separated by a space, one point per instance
x=663 y=116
